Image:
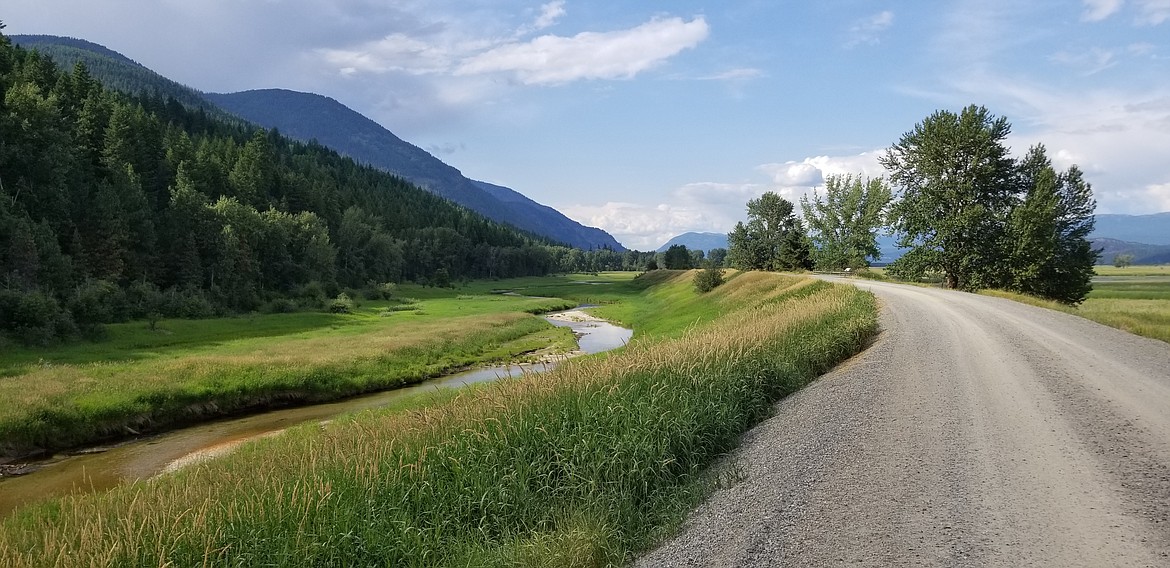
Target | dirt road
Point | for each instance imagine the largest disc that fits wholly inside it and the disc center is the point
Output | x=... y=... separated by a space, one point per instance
x=975 y=432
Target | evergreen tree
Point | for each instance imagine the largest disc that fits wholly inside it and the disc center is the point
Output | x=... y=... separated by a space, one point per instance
x=677 y=257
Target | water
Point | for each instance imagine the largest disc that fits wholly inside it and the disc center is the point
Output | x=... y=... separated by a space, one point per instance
x=106 y=467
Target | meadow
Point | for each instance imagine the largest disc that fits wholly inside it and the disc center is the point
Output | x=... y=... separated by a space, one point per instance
x=183 y=371
x=575 y=467
x=1134 y=299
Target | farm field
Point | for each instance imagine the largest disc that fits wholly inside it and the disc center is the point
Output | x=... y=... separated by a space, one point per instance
x=577 y=466
x=1134 y=299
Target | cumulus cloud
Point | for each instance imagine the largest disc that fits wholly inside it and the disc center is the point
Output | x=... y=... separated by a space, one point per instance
x=644 y=227
x=1097 y=10
x=868 y=30
x=716 y=206
x=622 y=54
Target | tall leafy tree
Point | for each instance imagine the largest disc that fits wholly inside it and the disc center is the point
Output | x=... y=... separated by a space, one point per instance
x=772 y=239
x=1050 y=252
x=845 y=222
x=956 y=186
x=677 y=257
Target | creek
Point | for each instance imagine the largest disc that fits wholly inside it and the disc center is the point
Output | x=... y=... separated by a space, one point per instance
x=100 y=468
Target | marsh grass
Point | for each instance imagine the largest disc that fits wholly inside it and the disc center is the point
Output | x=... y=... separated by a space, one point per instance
x=576 y=467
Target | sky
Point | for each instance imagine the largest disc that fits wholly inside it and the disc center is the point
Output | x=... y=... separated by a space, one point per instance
x=652 y=118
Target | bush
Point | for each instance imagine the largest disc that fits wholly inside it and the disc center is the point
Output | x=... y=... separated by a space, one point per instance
x=34 y=318
x=341 y=304
x=280 y=306
x=188 y=303
x=708 y=279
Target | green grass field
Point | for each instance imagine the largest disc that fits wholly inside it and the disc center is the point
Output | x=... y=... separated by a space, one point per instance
x=1134 y=299
x=575 y=467
x=191 y=370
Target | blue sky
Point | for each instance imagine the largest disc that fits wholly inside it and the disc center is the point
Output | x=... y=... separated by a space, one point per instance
x=653 y=118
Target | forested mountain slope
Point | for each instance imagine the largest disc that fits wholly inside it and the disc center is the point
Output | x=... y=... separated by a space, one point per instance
x=307 y=117
x=113 y=207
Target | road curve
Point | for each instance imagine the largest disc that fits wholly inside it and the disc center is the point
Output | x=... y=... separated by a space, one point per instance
x=976 y=431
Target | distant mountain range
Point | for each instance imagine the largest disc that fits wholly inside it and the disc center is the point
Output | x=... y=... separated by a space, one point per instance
x=1146 y=237
x=697 y=241
x=308 y=117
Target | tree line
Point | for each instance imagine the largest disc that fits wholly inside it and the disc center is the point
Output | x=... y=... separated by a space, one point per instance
x=955 y=198
x=117 y=207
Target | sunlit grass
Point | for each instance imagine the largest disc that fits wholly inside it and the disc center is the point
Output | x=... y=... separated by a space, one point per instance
x=1139 y=304
x=83 y=393
x=576 y=467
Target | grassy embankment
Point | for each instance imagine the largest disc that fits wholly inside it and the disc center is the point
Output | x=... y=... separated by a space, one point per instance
x=187 y=370
x=1134 y=299
x=575 y=467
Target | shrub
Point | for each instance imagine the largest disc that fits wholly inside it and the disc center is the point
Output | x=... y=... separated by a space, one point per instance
x=708 y=279
x=342 y=304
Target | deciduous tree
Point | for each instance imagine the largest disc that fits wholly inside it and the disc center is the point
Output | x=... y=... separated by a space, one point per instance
x=844 y=224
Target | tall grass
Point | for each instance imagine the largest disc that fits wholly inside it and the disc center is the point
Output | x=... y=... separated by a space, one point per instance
x=64 y=405
x=1137 y=304
x=576 y=467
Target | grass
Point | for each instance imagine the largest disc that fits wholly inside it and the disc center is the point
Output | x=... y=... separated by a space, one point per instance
x=83 y=393
x=1134 y=299
x=576 y=467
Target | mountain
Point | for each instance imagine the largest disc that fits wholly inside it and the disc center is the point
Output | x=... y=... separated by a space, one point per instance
x=1142 y=253
x=307 y=117
x=1150 y=229
x=114 y=70
x=697 y=241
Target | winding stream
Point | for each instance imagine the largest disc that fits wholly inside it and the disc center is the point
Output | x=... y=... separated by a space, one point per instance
x=105 y=467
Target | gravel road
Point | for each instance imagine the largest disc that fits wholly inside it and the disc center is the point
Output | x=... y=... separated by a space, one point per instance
x=976 y=431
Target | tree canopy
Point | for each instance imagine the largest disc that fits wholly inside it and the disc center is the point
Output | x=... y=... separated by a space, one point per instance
x=969 y=211
x=114 y=207
x=845 y=222
x=772 y=239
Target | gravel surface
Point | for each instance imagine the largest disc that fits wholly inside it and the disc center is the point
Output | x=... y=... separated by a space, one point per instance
x=976 y=431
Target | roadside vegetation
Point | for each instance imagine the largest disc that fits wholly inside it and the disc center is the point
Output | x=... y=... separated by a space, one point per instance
x=575 y=467
x=1134 y=299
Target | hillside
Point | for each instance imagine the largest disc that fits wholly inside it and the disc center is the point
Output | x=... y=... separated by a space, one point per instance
x=697 y=241
x=1142 y=253
x=307 y=116
x=115 y=208
x=1149 y=229
x=114 y=70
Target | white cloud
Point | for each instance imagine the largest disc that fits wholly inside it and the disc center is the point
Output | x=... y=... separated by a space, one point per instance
x=644 y=227
x=714 y=206
x=868 y=30
x=1088 y=62
x=1153 y=12
x=740 y=74
x=622 y=54
x=1097 y=10
x=549 y=14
